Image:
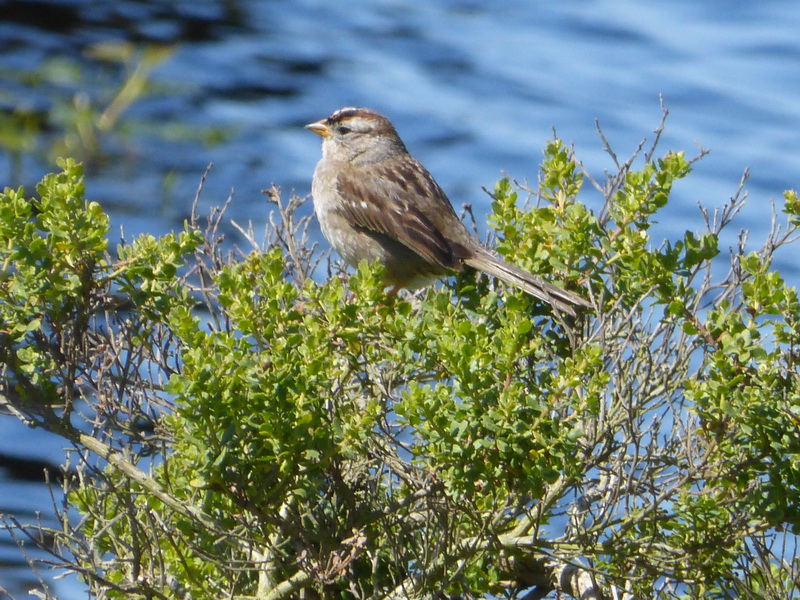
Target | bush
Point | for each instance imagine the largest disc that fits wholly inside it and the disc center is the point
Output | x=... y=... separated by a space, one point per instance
x=243 y=429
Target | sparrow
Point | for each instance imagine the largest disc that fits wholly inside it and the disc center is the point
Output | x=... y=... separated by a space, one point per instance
x=376 y=202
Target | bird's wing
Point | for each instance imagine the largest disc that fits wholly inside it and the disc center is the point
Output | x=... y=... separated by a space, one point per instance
x=396 y=201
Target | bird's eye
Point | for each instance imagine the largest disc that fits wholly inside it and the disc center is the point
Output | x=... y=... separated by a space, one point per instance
x=343 y=130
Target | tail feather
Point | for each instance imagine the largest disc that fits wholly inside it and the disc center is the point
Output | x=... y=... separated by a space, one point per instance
x=537 y=287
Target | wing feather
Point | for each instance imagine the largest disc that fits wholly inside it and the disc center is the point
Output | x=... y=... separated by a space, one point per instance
x=390 y=203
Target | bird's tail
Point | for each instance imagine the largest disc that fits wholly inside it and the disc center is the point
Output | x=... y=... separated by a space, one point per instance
x=537 y=287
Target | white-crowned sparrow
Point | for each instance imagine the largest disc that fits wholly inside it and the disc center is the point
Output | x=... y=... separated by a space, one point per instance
x=374 y=201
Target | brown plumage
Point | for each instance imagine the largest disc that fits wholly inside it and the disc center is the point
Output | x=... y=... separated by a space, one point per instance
x=374 y=201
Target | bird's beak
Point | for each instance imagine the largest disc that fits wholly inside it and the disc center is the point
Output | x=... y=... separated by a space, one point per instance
x=320 y=128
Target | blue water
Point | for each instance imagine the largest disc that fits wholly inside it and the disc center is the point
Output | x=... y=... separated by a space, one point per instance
x=475 y=88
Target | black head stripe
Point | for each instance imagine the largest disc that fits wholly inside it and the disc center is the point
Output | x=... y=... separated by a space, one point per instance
x=347 y=113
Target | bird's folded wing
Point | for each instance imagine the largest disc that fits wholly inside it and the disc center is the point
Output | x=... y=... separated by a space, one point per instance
x=389 y=205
